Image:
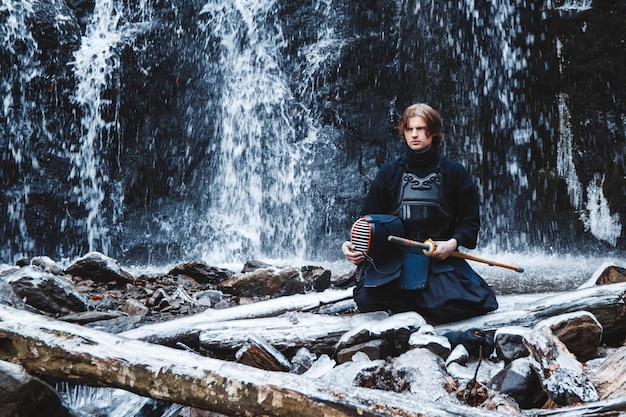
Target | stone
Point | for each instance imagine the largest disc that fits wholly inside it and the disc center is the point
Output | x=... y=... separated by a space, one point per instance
x=46 y=292
x=440 y=345
x=201 y=272
x=374 y=349
x=580 y=332
x=134 y=308
x=277 y=282
x=396 y=329
x=26 y=396
x=99 y=267
x=518 y=380
x=509 y=344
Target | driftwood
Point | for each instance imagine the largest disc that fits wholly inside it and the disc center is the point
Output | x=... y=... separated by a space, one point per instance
x=187 y=329
x=317 y=332
x=605 y=302
x=44 y=346
x=260 y=354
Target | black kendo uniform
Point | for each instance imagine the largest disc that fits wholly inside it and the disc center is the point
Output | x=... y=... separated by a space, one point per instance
x=435 y=198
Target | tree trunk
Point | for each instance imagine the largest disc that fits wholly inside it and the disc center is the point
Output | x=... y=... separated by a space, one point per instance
x=44 y=346
x=605 y=302
x=187 y=329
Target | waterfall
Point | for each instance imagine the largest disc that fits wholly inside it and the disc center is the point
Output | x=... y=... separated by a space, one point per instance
x=20 y=65
x=259 y=177
x=94 y=66
x=230 y=130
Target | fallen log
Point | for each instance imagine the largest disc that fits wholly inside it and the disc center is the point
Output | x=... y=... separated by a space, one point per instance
x=605 y=302
x=69 y=352
x=187 y=329
x=317 y=332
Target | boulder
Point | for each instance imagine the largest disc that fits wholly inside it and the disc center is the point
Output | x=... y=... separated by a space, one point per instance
x=201 y=272
x=22 y=395
x=46 y=292
x=581 y=332
x=277 y=282
x=518 y=380
x=101 y=268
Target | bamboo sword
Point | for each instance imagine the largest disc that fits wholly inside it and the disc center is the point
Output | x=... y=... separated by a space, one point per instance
x=428 y=248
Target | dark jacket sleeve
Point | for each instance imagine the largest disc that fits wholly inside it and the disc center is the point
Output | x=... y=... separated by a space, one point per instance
x=382 y=196
x=463 y=194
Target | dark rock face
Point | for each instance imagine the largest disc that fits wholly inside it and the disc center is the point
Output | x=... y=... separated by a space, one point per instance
x=523 y=89
x=24 y=395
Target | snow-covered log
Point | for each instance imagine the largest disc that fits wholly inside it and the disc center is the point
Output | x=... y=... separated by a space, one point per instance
x=317 y=332
x=187 y=329
x=605 y=302
x=298 y=329
x=44 y=346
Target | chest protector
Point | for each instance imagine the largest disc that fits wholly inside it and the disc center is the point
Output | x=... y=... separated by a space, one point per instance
x=423 y=208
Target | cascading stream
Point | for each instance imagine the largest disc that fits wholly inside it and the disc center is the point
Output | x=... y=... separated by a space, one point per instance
x=230 y=130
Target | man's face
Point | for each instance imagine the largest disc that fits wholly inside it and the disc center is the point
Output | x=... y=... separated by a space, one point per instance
x=416 y=134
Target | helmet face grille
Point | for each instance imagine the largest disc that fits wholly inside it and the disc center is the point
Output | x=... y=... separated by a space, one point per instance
x=361 y=235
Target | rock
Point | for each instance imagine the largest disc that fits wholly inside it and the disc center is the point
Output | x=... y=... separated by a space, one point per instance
x=396 y=329
x=581 y=332
x=561 y=375
x=518 y=380
x=47 y=264
x=46 y=292
x=275 y=282
x=26 y=396
x=350 y=373
x=254 y=265
x=209 y=297
x=8 y=296
x=509 y=343
x=201 y=272
x=606 y=274
x=134 y=308
x=374 y=349
x=439 y=345
x=98 y=267
x=423 y=373
x=459 y=355
x=302 y=361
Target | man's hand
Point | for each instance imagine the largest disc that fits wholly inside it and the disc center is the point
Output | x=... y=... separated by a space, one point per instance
x=444 y=248
x=351 y=255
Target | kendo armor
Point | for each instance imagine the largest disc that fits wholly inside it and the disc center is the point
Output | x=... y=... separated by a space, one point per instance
x=423 y=208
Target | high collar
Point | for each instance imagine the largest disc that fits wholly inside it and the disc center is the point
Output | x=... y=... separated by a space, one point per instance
x=422 y=161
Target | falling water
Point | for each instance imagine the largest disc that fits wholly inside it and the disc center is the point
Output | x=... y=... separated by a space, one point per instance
x=20 y=66
x=278 y=122
x=593 y=210
x=96 y=66
x=259 y=180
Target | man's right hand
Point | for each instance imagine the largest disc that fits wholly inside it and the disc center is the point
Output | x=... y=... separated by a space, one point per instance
x=351 y=255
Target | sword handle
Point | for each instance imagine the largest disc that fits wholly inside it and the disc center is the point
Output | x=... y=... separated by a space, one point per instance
x=428 y=247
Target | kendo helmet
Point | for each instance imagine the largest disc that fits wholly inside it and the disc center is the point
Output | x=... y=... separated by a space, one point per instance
x=384 y=259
